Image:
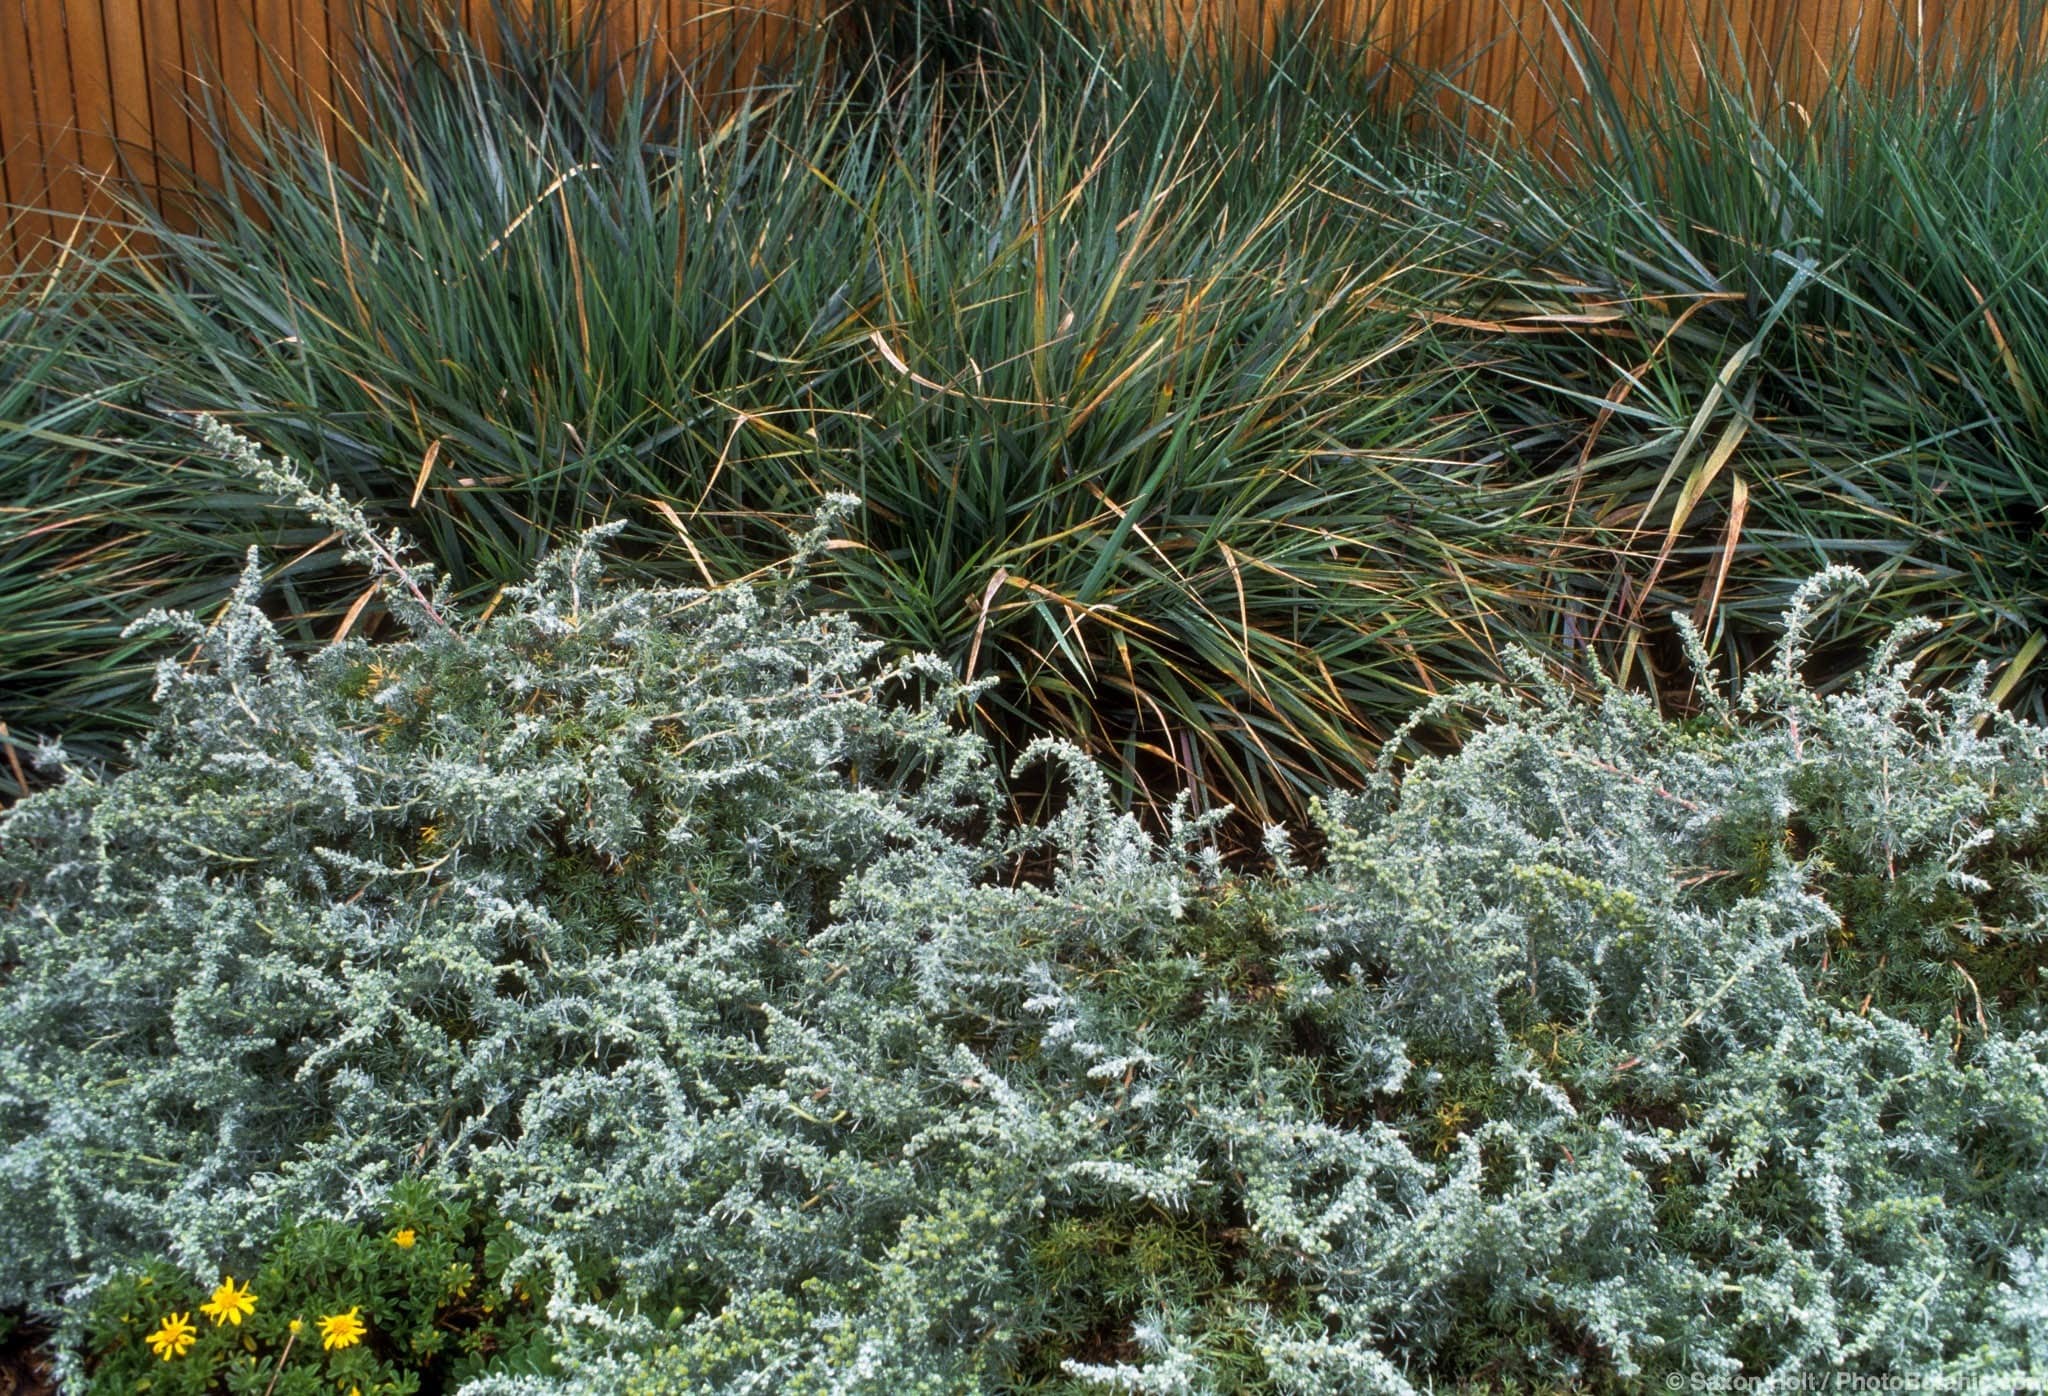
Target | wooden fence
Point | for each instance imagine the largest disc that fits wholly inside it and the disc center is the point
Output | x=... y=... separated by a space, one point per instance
x=95 y=90
x=92 y=88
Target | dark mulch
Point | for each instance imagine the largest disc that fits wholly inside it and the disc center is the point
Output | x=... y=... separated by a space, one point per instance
x=24 y=1358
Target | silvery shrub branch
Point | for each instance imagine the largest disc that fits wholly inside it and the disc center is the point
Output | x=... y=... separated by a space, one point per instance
x=683 y=927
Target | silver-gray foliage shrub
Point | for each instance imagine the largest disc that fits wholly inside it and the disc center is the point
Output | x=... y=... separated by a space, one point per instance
x=677 y=926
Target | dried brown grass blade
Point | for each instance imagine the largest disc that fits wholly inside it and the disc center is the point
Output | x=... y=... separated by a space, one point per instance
x=419 y=484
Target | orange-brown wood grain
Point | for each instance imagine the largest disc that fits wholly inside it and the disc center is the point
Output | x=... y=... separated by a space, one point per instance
x=162 y=49
x=22 y=161
x=278 y=63
x=313 y=79
x=93 y=86
x=232 y=71
x=195 y=88
x=92 y=114
x=56 y=99
x=128 y=104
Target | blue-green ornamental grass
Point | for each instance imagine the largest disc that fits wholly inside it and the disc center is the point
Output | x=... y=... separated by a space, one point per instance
x=1224 y=410
x=679 y=932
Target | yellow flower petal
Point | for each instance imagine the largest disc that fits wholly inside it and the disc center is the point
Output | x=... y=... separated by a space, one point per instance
x=339 y=1331
x=173 y=1337
x=229 y=1303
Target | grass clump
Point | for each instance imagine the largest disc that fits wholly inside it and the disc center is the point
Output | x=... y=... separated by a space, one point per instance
x=1139 y=416
x=1762 y=335
x=94 y=532
x=1220 y=412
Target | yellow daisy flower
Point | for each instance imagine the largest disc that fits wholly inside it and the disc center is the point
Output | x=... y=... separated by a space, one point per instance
x=339 y=1331
x=295 y=1325
x=230 y=1304
x=404 y=1237
x=174 y=1336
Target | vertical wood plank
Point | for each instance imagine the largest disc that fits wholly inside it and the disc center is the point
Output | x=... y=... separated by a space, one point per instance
x=1541 y=80
x=1529 y=77
x=718 y=29
x=49 y=63
x=678 y=43
x=276 y=57
x=1444 y=37
x=1490 y=27
x=313 y=83
x=128 y=84
x=197 y=87
x=1813 y=35
x=162 y=51
x=340 y=50
x=628 y=41
x=1777 y=49
x=482 y=25
x=99 y=85
x=93 y=115
x=1497 y=45
x=1473 y=58
x=234 y=72
x=345 y=38
x=22 y=153
x=1727 y=40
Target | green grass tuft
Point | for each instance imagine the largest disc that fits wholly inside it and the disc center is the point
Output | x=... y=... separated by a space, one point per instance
x=1219 y=412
